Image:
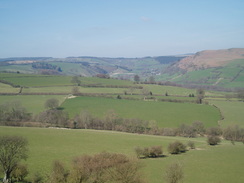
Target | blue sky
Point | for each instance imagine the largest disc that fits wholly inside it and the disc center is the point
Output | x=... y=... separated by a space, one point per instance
x=118 y=28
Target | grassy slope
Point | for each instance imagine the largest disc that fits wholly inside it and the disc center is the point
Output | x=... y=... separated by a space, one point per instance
x=232 y=112
x=231 y=75
x=165 y=113
x=222 y=163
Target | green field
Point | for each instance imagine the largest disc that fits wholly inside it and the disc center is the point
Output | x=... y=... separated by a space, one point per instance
x=4 y=88
x=232 y=112
x=68 y=90
x=33 y=103
x=29 y=80
x=222 y=163
x=166 y=114
x=229 y=76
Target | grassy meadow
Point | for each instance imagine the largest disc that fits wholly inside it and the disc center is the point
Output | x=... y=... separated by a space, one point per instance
x=232 y=112
x=166 y=114
x=213 y=164
x=33 y=103
x=222 y=163
x=4 y=88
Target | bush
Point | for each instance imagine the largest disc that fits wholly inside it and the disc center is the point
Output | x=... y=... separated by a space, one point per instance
x=214 y=131
x=174 y=173
x=191 y=145
x=234 y=133
x=187 y=131
x=154 y=151
x=213 y=140
x=105 y=167
x=20 y=172
x=176 y=147
x=37 y=178
x=139 y=152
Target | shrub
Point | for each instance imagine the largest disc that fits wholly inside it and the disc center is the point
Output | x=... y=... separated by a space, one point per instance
x=139 y=152
x=37 y=178
x=176 y=147
x=105 y=167
x=174 y=173
x=214 y=131
x=20 y=172
x=155 y=151
x=213 y=140
x=191 y=145
x=234 y=133
x=187 y=131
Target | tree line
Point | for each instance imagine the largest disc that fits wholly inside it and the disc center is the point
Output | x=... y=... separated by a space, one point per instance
x=14 y=114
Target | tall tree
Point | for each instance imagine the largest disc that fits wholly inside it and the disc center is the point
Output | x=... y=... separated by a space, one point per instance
x=200 y=95
x=51 y=103
x=136 y=78
x=75 y=80
x=12 y=150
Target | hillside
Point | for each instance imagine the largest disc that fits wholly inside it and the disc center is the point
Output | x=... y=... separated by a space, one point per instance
x=210 y=59
x=124 y=68
x=211 y=68
x=222 y=68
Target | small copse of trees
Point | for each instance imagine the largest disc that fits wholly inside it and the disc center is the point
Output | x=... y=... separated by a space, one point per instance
x=176 y=147
x=149 y=152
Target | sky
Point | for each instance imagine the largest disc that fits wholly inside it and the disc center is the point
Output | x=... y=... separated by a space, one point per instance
x=118 y=28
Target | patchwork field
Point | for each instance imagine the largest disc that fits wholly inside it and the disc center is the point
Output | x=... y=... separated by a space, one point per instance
x=222 y=163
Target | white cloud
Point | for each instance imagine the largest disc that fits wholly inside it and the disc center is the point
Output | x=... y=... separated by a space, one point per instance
x=145 y=19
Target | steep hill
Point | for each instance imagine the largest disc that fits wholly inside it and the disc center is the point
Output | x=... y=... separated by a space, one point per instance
x=210 y=58
x=223 y=68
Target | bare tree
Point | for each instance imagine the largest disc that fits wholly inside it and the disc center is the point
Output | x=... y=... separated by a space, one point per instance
x=75 y=80
x=105 y=167
x=137 y=78
x=59 y=174
x=12 y=150
x=240 y=94
x=13 y=111
x=174 y=173
x=75 y=90
x=200 y=95
x=51 y=103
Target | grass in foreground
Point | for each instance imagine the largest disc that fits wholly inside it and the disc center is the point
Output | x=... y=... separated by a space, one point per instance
x=222 y=163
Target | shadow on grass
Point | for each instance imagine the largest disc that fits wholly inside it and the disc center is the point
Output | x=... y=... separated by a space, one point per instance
x=153 y=157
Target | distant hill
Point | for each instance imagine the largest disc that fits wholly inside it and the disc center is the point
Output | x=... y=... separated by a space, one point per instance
x=89 y=66
x=216 y=68
x=210 y=58
x=224 y=68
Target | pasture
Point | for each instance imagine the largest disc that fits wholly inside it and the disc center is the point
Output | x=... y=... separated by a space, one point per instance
x=33 y=103
x=29 y=80
x=4 y=88
x=166 y=114
x=222 y=163
x=232 y=112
